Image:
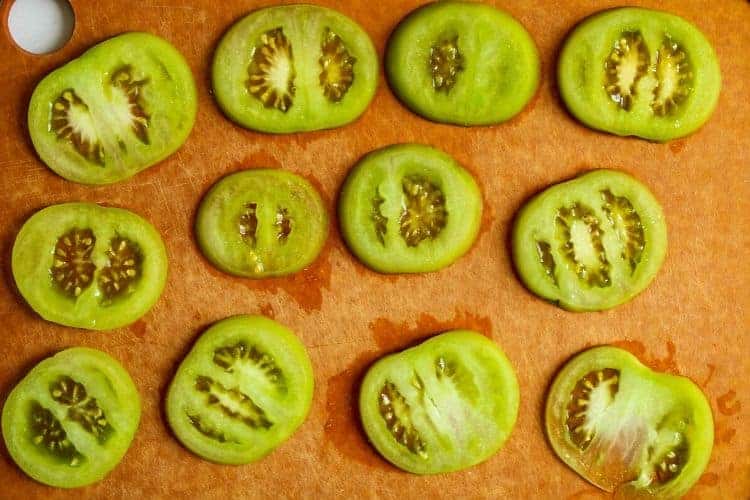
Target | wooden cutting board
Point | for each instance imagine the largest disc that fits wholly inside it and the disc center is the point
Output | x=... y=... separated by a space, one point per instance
x=693 y=319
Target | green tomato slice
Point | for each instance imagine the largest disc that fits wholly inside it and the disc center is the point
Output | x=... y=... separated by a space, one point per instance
x=124 y=105
x=409 y=208
x=626 y=428
x=591 y=243
x=641 y=72
x=71 y=419
x=294 y=68
x=445 y=405
x=244 y=388
x=261 y=223
x=88 y=266
x=463 y=63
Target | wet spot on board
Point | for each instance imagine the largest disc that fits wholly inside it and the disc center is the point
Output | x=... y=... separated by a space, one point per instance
x=666 y=364
x=724 y=434
x=677 y=146
x=521 y=115
x=711 y=371
x=343 y=428
x=709 y=479
x=303 y=140
x=305 y=287
x=267 y=310
x=258 y=159
x=488 y=219
x=588 y=494
x=728 y=404
x=390 y=335
x=139 y=328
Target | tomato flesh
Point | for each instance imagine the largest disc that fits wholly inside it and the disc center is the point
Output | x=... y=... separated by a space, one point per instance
x=88 y=266
x=591 y=243
x=409 y=208
x=124 y=105
x=463 y=63
x=641 y=72
x=244 y=388
x=444 y=405
x=71 y=419
x=626 y=428
x=294 y=68
x=262 y=223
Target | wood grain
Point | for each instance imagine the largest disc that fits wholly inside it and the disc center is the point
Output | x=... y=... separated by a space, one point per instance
x=693 y=320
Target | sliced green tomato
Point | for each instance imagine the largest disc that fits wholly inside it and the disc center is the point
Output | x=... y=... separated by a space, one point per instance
x=69 y=422
x=294 y=68
x=447 y=404
x=591 y=243
x=124 y=105
x=261 y=223
x=463 y=63
x=626 y=428
x=632 y=71
x=409 y=208
x=88 y=266
x=244 y=388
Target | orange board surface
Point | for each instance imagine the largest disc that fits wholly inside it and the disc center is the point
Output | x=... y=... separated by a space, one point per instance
x=693 y=319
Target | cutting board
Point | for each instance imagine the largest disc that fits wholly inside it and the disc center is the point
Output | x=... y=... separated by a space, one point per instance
x=693 y=320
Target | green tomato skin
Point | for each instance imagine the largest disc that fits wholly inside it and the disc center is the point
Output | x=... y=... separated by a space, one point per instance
x=169 y=93
x=478 y=426
x=580 y=74
x=537 y=217
x=500 y=71
x=217 y=232
x=289 y=354
x=304 y=26
x=649 y=393
x=112 y=386
x=32 y=259
x=380 y=172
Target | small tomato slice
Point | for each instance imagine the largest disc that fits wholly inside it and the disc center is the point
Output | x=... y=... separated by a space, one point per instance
x=262 y=223
x=409 y=208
